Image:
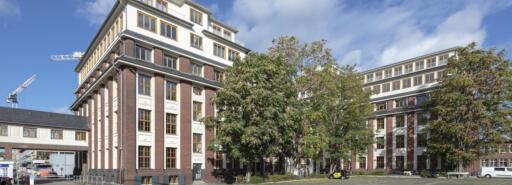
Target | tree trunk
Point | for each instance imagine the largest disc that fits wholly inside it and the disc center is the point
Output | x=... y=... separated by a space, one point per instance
x=282 y=164
x=262 y=166
x=248 y=173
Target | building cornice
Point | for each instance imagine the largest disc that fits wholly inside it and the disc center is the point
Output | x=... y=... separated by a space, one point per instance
x=410 y=60
x=226 y=41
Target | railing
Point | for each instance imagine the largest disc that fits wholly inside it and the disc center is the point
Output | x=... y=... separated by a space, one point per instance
x=90 y=180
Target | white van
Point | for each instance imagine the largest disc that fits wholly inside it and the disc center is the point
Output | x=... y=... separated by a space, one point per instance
x=490 y=172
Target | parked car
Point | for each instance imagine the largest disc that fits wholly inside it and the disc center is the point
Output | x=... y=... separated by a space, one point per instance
x=490 y=172
x=339 y=174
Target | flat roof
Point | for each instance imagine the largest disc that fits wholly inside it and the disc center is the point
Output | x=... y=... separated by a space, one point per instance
x=42 y=119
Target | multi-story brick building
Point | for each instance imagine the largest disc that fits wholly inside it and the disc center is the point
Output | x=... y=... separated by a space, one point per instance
x=397 y=122
x=145 y=82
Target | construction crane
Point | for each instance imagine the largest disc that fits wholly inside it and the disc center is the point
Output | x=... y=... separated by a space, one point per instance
x=13 y=96
x=74 y=56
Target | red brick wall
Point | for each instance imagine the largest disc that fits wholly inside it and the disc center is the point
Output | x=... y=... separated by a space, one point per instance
x=410 y=141
x=129 y=123
x=209 y=136
x=159 y=122
x=186 y=130
x=371 y=127
x=389 y=143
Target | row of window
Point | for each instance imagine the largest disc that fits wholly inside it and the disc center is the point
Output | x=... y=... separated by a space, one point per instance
x=407 y=68
x=170 y=119
x=170 y=61
x=169 y=30
x=170 y=153
x=401 y=103
x=421 y=141
x=497 y=163
x=31 y=132
x=144 y=88
x=423 y=118
x=399 y=162
x=406 y=83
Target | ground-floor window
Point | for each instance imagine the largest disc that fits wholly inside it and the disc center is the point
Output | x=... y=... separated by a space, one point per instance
x=422 y=162
x=380 y=162
x=218 y=160
x=144 y=156
x=145 y=180
x=173 y=180
x=399 y=160
x=362 y=162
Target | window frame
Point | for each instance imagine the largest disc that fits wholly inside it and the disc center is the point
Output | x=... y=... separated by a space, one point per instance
x=144 y=84
x=171 y=90
x=171 y=124
x=170 y=159
x=197 y=106
x=79 y=135
x=28 y=132
x=151 y=19
x=59 y=134
x=381 y=125
x=144 y=157
x=399 y=123
x=219 y=50
x=196 y=69
x=196 y=41
x=233 y=55
x=400 y=141
x=4 y=130
x=197 y=143
x=166 y=27
x=144 y=120
x=196 y=16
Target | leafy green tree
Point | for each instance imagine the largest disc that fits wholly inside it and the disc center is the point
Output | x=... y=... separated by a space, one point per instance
x=334 y=108
x=468 y=109
x=254 y=117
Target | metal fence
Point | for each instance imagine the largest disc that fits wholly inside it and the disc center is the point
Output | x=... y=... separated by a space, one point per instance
x=90 y=180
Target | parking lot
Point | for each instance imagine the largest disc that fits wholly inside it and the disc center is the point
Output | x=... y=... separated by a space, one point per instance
x=402 y=181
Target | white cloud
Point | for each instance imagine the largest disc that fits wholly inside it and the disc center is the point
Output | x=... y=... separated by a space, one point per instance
x=95 y=11
x=9 y=9
x=366 y=33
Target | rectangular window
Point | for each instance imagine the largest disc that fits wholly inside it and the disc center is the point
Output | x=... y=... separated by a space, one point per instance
x=431 y=62
x=429 y=78
x=170 y=90
x=196 y=17
x=56 y=134
x=398 y=71
x=423 y=118
x=198 y=143
x=219 y=160
x=4 y=131
x=400 y=142
x=421 y=140
x=380 y=162
x=408 y=68
x=29 y=132
x=148 y=2
x=399 y=162
x=219 y=50
x=227 y=35
x=218 y=76
x=173 y=180
x=380 y=142
x=217 y=30
x=369 y=78
x=146 y=22
x=142 y=53
x=196 y=41
x=440 y=75
x=421 y=98
x=376 y=89
x=400 y=120
x=387 y=73
x=396 y=85
x=197 y=69
x=170 y=123
x=406 y=83
x=144 y=85
x=144 y=120
x=385 y=87
x=197 y=115
x=80 y=136
x=146 y=180
x=171 y=61
x=422 y=162
x=378 y=75
x=170 y=158
x=380 y=123
x=418 y=80
x=161 y=5
x=381 y=106
x=400 y=103
x=197 y=91
x=168 y=30
x=362 y=162
x=419 y=65
x=144 y=156
x=233 y=55
x=443 y=59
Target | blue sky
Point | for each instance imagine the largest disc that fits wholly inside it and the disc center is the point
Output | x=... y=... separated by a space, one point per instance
x=366 y=33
